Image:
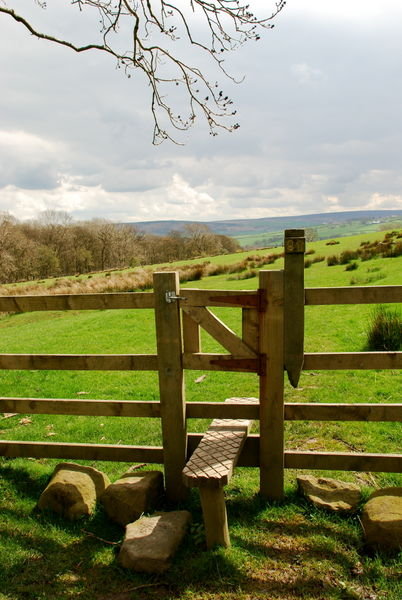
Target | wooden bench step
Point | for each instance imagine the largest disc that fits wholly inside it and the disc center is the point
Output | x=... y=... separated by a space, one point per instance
x=211 y=464
x=210 y=468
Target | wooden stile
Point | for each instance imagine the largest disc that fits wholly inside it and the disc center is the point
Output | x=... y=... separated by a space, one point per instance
x=271 y=387
x=171 y=381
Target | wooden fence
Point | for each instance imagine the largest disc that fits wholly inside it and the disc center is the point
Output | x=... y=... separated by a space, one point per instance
x=271 y=342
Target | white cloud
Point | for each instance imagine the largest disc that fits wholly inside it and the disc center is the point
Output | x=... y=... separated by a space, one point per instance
x=305 y=74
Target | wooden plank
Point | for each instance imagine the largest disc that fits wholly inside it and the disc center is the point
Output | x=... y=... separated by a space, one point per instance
x=219 y=331
x=191 y=334
x=220 y=362
x=215 y=517
x=271 y=387
x=295 y=411
x=344 y=461
x=352 y=360
x=122 y=300
x=104 y=408
x=212 y=463
x=354 y=295
x=236 y=298
x=126 y=408
x=221 y=410
x=295 y=245
x=251 y=328
x=80 y=362
x=171 y=382
x=148 y=454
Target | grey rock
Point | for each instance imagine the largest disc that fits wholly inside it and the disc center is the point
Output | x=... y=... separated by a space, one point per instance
x=132 y=495
x=73 y=490
x=382 y=519
x=331 y=494
x=151 y=542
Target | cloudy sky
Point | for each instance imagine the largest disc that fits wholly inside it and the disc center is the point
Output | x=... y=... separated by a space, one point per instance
x=320 y=113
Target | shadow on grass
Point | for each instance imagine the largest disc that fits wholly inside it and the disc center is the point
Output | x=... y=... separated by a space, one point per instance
x=280 y=550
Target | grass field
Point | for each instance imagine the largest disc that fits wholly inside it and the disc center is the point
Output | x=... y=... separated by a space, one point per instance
x=286 y=550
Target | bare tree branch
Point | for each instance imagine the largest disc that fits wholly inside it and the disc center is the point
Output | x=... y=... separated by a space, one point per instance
x=155 y=26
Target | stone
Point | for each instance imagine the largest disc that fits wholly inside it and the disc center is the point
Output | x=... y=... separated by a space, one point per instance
x=331 y=494
x=382 y=519
x=151 y=542
x=132 y=495
x=73 y=490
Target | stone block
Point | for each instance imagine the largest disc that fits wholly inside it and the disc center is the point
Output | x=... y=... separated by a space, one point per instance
x=151 y=542
x=73 y=490
x=132 y=495
x=331 y=494
x=382 y=519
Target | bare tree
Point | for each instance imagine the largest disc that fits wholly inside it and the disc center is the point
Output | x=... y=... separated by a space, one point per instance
x=153 y=37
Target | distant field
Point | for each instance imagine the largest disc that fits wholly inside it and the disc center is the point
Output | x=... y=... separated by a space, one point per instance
x=324 y=232
x=288 y=550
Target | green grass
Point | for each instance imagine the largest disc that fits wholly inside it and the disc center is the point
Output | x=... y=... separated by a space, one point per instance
x=286 y=550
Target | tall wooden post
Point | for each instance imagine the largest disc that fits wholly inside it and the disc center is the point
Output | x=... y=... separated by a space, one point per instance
x=295 y=245
x=171 y=381
x=271 y=386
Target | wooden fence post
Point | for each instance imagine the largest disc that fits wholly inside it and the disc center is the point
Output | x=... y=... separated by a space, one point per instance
x=295 y=245
x=171 y=381
x=271 y=386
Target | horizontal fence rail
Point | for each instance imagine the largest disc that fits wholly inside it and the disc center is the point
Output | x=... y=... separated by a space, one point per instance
x=352 y=360
x=79 y=362
x=293 y=459
x=354 y=295
x=294 y=411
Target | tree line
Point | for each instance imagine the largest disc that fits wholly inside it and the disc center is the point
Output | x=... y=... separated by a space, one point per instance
x=55 y=245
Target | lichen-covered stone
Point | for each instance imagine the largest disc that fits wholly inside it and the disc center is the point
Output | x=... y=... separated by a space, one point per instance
x=151 y=542
x=73 y=490
x=132 y=495
x=331 y=494
x=382 y=519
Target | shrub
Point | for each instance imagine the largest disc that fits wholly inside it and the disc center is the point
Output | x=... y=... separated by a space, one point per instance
x=332 y=243
x=318 y=259
x=332 y=260
x=385 y=330
x=307 y=263
x=351 y=266
x=310 y=251
x=346 y=256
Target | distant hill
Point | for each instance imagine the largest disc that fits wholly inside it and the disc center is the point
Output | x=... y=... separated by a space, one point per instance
x=269 y=230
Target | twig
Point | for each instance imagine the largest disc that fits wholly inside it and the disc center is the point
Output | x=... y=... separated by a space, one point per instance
x=135 y=467
x=90 y=534
x=145 y=585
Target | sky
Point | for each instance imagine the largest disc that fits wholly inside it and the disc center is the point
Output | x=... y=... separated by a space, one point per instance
x=320 y=113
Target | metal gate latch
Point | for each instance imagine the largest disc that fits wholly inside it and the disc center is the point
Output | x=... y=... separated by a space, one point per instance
x=171 y=297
